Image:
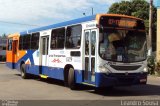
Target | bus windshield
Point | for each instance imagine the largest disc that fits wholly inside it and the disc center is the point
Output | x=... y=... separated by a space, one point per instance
x=122 y=39
x=122 y=44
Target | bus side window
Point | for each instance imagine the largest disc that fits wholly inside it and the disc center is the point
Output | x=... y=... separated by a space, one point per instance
x=73 y=37
x=57 y=38
x=26 y=41
x=10 y=45
x=35 y=41
x=21 y=42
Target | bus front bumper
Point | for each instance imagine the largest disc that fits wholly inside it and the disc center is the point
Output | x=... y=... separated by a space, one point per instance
x=120 y=79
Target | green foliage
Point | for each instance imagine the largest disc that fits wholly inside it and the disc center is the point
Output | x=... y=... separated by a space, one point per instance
x=151 y=65
x=2 y=58
x=3 y=35
x=137 y=8
x=157 y=69
x=123 y=7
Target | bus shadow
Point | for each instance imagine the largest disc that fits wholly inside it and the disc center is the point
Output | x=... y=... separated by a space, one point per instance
x=30 y=76
x=18 y=75
x=51 y=81
x=139 y=90
x=61 y=83
x=56 y=82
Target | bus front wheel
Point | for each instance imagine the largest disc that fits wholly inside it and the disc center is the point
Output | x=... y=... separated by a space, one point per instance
x=71 y=79
x=24 y=75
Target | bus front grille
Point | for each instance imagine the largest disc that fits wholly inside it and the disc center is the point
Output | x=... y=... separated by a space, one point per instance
x=125 y=68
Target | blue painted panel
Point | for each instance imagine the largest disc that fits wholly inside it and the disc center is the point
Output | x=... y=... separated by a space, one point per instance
x=32 y=69
x=103 y=80
x=79 y=76
x=29 y=55
x=23 y=33
x=18 y=65
x=10 y=65
x=56 y=73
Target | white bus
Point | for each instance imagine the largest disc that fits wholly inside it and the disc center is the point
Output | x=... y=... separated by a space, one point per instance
x=101 y=50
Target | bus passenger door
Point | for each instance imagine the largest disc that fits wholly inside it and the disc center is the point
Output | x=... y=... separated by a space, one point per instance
x=11 y=53
x=43 y=54
x=14 y=50
x=90 y=54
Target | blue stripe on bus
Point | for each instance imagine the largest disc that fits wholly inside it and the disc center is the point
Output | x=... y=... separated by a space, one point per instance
x=102 y=79
x=28 y=55
x=23 y=33
x=76 y=21
x=52 y=72
x=119 y=79
x=10 y=65
x=32 y=69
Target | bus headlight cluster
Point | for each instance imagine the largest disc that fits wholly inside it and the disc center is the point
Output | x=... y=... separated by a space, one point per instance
x=104 y=69
x=145 y=69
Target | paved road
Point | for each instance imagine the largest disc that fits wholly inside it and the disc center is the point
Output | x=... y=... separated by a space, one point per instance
x=13 y=87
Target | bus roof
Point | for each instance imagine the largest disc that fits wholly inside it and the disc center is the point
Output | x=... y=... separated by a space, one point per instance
x=75 y=21
x=13 y=35
x=116 y=15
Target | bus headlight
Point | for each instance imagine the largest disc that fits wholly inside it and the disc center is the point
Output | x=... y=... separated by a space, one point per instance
x=145 y=69
x=104 y=69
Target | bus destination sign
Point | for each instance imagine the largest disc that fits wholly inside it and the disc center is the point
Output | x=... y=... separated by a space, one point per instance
x=122 y=23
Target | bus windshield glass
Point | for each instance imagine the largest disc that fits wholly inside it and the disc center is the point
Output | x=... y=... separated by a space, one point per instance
x=123 y=41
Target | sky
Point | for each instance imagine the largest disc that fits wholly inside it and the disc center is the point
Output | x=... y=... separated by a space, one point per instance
x=21 y=15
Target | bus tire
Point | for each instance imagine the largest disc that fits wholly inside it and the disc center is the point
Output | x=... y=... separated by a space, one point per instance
x=71 y=79
x=24 y=75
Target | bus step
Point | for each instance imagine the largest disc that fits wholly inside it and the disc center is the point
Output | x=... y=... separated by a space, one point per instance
x=43 y=76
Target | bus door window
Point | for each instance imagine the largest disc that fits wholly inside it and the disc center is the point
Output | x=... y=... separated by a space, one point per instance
x=93 y=42
x=45 y=46
x=15 y=46
x=10 y=45
x=93 y=45
x=87 y=68
x=90 y=49
x=87 y=43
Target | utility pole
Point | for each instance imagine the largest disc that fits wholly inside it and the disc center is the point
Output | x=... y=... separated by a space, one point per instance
x=84 y=14
x=150 y=27
x=92 y=10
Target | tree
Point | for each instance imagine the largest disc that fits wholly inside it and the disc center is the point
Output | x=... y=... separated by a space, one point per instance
x=4 y=35
x=137 y=8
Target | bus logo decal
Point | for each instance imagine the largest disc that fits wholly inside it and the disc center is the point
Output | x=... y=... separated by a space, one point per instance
x=56 y=61
x=28 y=61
